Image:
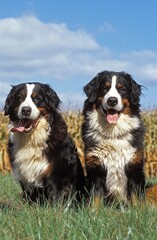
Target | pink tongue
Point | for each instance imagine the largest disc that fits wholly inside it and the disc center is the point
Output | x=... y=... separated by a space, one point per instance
x=21 y=126
x=112 y=118
x=18 y=129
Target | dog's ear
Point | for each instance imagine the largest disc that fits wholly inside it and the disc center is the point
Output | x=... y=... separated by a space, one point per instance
x=91 y=88
x=135 y=92
x=8 y=102
x=136 y=89
x=52 y=98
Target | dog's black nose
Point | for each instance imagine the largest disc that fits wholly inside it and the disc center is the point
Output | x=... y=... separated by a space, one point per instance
x=112 y=101
x=26 y=111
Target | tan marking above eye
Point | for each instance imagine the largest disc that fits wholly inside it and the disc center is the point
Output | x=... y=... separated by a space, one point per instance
x=34 y=94
x=22 y=93
x=120 y=85
x=107 y=85
x=100 y=98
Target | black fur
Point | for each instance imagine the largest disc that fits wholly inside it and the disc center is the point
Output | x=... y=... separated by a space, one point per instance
x=64 y=177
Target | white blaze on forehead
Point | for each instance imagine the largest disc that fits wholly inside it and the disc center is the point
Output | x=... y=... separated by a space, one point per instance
x=113 y=93
x=28 y=102
x=30 y=88
x=113 y=90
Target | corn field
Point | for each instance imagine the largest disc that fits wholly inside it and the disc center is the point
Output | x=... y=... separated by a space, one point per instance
x=4 y=160
x=74 y=121
x=150 y=120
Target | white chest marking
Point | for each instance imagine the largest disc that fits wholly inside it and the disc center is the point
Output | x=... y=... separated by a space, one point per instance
x=29 y=161
x=115 y=155
x=113 y=148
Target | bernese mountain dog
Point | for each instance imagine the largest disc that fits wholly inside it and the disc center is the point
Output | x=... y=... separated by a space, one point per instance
x=113 y=135
x=42 y=155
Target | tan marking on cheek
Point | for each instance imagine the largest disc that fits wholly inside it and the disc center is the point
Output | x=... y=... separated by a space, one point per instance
x=126 y=105
x=125 y=102
x=43 y=111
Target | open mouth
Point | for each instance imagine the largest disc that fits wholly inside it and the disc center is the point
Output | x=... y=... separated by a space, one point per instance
x=25 y=125
x=112 y=115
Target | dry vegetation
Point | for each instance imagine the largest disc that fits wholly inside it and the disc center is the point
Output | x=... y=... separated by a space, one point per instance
x=4 y=161
x=74 y=121
x=150 y=120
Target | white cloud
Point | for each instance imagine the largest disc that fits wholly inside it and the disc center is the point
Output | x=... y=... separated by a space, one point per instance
x=142 y=64
x=31 y=50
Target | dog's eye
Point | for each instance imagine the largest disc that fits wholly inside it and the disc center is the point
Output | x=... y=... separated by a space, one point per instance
x=38 y=98
x=19 y=97
x=106 y=89
x=122 y=90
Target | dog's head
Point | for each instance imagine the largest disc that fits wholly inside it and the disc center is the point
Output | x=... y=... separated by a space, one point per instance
x=27 y=102
x=114 y=93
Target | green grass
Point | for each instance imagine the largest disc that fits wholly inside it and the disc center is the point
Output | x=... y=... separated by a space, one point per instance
x=22 y=222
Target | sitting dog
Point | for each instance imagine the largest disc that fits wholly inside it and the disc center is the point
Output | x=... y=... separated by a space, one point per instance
x=42 y=155
x=113 y=135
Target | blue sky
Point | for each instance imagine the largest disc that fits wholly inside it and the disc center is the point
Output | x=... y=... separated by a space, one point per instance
x=66 y=43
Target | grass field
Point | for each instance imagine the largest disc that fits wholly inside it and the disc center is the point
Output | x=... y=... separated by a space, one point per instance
x=19 y=221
